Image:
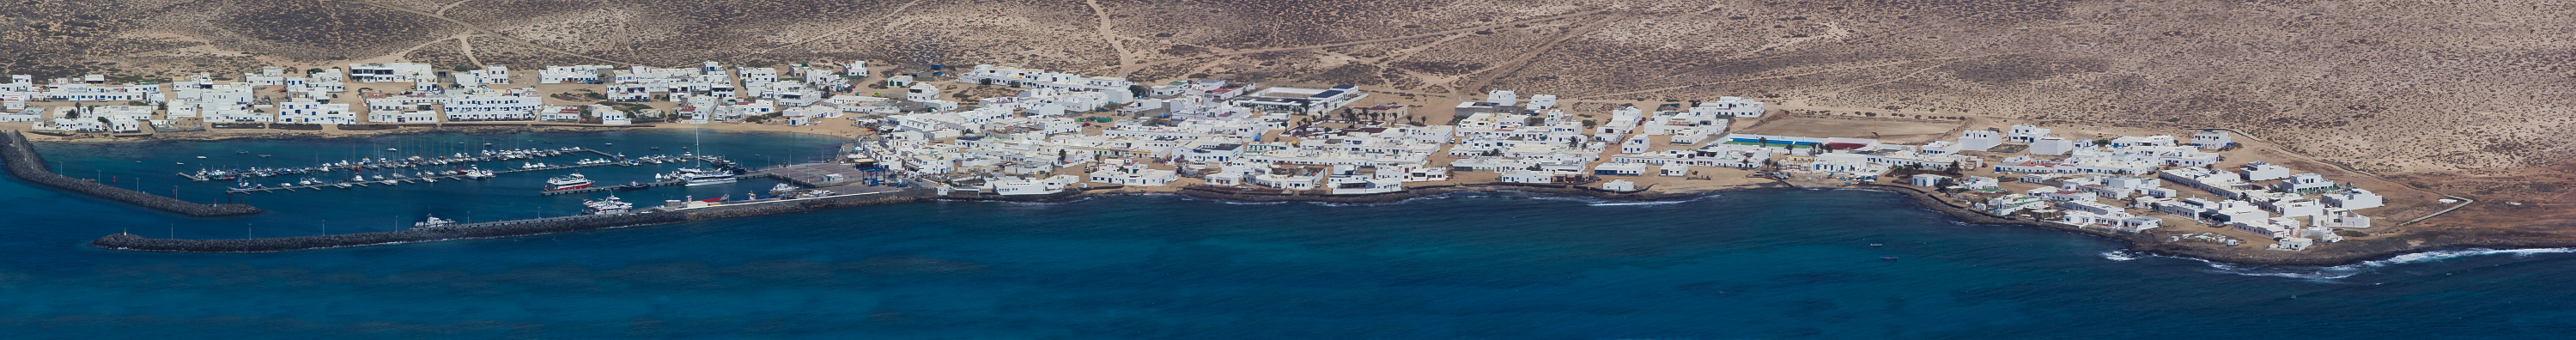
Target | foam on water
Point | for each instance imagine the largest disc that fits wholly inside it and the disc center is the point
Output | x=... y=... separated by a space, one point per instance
x=2328 y=273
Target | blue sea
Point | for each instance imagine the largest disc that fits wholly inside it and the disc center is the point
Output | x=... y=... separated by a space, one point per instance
x=1746 y=264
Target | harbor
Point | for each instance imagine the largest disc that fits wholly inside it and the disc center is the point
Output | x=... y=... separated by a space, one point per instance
x=387 y=176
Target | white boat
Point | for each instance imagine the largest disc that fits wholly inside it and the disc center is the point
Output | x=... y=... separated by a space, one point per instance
x=567 y=182
x=433 y=222
x=697 y=176
x=610 y=205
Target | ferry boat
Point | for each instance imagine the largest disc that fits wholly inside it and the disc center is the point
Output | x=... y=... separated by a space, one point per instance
x=433 y=222
x=567 y=182
x=605 y=206
x=699 y=176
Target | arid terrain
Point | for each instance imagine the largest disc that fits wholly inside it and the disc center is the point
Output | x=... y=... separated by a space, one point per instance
x=2464 y=98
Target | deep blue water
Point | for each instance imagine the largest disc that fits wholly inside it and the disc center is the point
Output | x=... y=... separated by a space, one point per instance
x=1754 y=264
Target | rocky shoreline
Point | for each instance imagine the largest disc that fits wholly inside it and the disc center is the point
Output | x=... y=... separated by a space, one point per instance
x=27 y=165
x=2149 y=243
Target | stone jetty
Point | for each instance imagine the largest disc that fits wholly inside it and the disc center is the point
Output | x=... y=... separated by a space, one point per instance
x=26 y=165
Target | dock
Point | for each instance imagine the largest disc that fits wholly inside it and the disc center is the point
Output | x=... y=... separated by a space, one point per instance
x=609 y=188
x=410 y=180
x=612 y=158
x=815 y=175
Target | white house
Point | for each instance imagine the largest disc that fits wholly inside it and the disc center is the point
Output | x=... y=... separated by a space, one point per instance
x=391 y=73
x=2025 y=133
x=492 y=108
x=1134 y=175
x=2261 y=171
x=310 y=112
x=921 y=93
x=1731 y=106
x=2354 y=199
x=2212 y=139
x=2051 y=146
x=2304 y=181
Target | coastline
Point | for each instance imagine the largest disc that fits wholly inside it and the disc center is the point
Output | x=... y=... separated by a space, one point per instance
x=408 y=129
x=2144 y=243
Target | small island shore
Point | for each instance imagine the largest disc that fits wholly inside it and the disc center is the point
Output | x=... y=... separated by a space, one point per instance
x=2145 y=243
x=2153 y=242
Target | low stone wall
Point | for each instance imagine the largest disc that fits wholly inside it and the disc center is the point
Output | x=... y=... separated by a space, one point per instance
x=535 y=124
x=26 y=165
x=370 y=127
x=132 y=242
x=1927 y=200
x=1416 y=192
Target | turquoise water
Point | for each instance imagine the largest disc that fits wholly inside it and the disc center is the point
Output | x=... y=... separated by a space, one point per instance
x=1754 y=264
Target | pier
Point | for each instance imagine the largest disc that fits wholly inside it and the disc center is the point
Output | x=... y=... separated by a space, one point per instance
x=495 y=229
x=24 y=163
x=609 y=188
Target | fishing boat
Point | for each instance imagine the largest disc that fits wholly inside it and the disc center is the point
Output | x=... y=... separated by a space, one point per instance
x=1888 y=258
x=567 y=182
x=610 y=205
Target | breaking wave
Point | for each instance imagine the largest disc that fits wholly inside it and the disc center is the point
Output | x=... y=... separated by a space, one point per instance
x=2343 y=271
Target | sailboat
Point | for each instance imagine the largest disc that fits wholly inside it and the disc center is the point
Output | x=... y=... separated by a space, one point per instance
x=701 y=174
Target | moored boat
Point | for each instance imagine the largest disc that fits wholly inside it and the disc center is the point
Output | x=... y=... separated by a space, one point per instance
x=567 y=182
x=610 y=205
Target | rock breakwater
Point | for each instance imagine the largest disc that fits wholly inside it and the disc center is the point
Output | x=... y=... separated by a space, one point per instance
x=27 y=165
x=539 y=227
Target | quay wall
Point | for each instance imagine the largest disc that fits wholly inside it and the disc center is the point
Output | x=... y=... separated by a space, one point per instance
x=1423 y=191
x=26 y=165
x=132 y=242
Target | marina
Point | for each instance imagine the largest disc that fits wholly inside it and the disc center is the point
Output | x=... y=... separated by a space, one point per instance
x=365 y=164
x=390 y=178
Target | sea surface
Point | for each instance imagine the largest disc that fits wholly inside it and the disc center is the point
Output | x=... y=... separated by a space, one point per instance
x=1745 y=264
